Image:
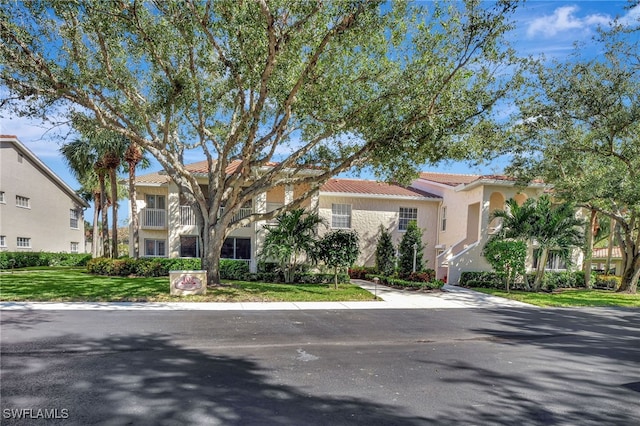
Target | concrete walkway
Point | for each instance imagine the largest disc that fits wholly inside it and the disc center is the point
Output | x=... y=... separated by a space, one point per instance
x=451 y=297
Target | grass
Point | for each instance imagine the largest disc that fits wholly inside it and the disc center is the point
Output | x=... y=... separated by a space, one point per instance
x=569 y=298
x=76 y=285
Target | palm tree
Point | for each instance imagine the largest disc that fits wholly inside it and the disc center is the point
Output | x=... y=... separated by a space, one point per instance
x=555 y=227
x=134 y=156
x=293 y=235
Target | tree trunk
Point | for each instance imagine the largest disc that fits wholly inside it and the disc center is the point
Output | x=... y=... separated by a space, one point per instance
x=214 y=239
x=631 y=274
x=114 y=213
x=612 y=225
x=105 y=217
x=542 y=262
x=95 y=243
x=135 y=222
x=335 y=278
x=589 y=248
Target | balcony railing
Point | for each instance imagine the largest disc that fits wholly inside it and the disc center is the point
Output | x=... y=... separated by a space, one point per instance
x=244 y=212
x=154 y=218
x=187 y=217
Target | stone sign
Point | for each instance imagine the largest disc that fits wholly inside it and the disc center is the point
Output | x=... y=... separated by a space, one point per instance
x=188 y=282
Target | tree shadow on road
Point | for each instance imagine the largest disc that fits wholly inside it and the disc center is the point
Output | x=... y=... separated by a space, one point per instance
x=150 y=380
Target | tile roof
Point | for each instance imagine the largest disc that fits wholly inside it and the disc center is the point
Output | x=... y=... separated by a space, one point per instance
x=602 y=253
x=200 y=167
x=449 y=178
x=357 y=186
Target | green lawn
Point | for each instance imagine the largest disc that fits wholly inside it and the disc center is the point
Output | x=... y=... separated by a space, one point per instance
x=76 y=285
x=570 y=298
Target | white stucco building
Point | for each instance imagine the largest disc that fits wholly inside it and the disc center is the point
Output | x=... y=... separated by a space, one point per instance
x=38 y=211
x=453 y=211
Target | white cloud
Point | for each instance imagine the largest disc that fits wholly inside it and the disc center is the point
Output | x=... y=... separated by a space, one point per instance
x=632 y=17
x=564 y=19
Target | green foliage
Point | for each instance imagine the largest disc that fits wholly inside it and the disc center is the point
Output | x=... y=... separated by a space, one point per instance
x=322 y=71
x=338 y=249
x=550 y=281
x=360 y=272
x=413 y=235
x=293 y=236
x=507 y=258
x=385 y=253
x=18 y=259
x=608 y=282
x=489 y=279
x=397 y=282
x=143 y=267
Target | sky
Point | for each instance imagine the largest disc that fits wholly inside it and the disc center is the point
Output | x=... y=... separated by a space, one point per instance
x=550 y=28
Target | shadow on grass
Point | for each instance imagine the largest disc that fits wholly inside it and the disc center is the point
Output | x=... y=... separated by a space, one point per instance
x=150 y=380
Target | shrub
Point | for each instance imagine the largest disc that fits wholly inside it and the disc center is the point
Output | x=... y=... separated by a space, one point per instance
x=385 y=253
x=233 y=269
x=608 y=282
x=486 y=279
x=413 y=235
x=360 y=272
x=397 y=282
x=28 y=259
x=144 y=267
x=422 y=277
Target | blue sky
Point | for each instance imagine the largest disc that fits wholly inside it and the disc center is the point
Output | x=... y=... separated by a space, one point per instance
x=541 y=27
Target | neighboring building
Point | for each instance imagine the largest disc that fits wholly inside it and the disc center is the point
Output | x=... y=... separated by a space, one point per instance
x=453 y=211
x=38 y=211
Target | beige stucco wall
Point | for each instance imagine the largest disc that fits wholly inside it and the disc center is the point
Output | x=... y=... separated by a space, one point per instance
x=367 y=214
x=47 y=220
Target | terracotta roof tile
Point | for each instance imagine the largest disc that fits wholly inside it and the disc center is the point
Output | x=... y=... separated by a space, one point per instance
x=357 y=186
x=449 y=178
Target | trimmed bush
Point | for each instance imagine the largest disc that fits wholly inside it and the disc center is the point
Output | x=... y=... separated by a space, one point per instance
x=397 y=282
x=426 y=276
x=143 y=267
x=608 y=282
x=486 y=279
x=19 y=259
x=233 y=269
x=360 y=272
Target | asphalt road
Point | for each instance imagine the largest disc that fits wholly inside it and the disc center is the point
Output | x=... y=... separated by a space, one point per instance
x=509 y=366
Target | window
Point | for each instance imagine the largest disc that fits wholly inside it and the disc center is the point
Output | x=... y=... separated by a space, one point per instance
x=444 y=219
x=189 y=246
x=74 y=247
x=155 y=201
x=24 y=242
x=154 y=248
x=22 y=201
x=556 y=260
x=407 y=214
x=236 y=248
x=341 y=216
x=73 y=218
x=3 y=240
x=2 y=197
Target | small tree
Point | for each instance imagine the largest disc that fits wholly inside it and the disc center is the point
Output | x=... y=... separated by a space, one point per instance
x=507 y=257
x=338 y=249
x=293 y=236
x=412 y=237
x=385 y=253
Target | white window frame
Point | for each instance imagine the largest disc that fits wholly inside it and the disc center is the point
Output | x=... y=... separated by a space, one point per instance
x=198 y=252
x=156 y=201
x=3 y=240
x=23 y=202
x=21 y=241
x=443 y=219
x=341 y=216
x=156 y=246
x=74 y=214
x=405 y=216
x=75 y=247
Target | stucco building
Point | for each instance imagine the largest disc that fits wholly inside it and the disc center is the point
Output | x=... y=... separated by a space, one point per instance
x=38 y=210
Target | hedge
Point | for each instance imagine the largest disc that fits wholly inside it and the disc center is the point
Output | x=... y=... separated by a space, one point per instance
x=607 y=282
x=23 y=259
x=550 y=280
x=397 y=282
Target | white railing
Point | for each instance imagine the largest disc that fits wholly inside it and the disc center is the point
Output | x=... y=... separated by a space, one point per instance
x=154 y=218
x=187 y=217
x=244 y=212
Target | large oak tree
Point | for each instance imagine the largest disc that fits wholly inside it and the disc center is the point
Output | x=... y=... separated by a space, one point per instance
x=314 y=85
x=580 y=130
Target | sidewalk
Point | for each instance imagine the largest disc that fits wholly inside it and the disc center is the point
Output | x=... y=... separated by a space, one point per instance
x=452 y=297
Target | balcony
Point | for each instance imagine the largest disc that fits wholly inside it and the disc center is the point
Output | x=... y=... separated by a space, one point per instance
x=154 y=218
x=188 y=218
